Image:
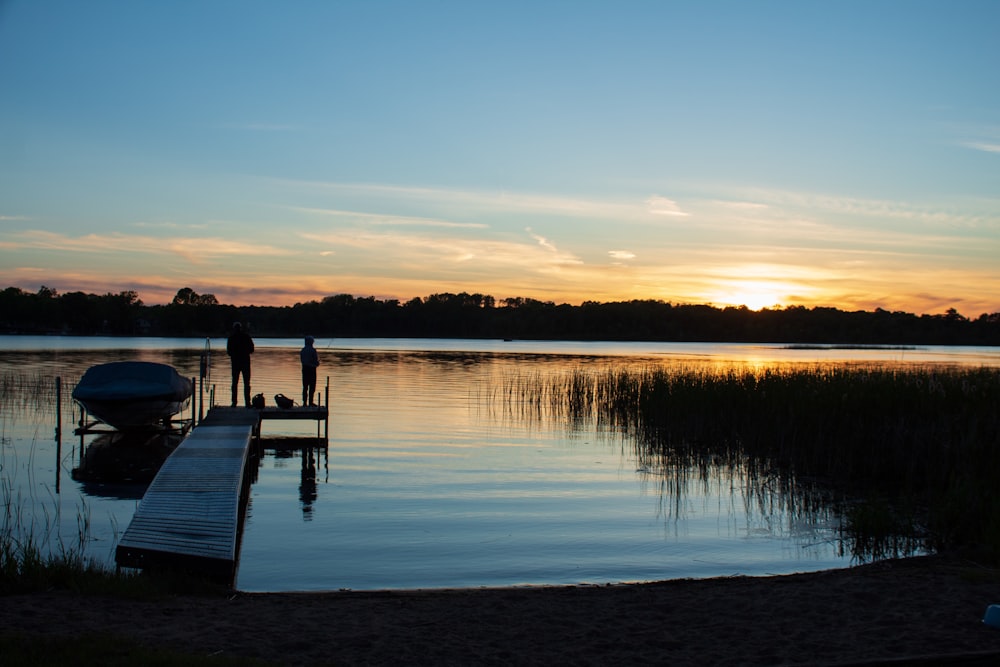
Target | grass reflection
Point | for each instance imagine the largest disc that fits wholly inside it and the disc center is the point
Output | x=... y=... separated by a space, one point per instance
x=915 y=449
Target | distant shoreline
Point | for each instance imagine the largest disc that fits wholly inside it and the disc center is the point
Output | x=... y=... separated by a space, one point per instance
x=464 y=315
x=806 y=346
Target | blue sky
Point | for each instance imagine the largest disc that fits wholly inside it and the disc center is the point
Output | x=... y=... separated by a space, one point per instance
x=842 y=154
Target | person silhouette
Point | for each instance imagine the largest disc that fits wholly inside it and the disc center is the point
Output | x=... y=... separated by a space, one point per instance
x=307 y=489
x=239 y=347
x=310 y=362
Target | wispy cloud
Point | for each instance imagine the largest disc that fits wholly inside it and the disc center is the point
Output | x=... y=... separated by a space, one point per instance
x=659 y=205
x=394 y=220
x=12 y=218
x=541 y=240
x=193 y=248
x=261 y=127
x=502 y=200
x=621 y=254
x=428 y=254
x=142 y=224
x=473 y=202
x=983 y=146
x=741 y=205
x=856 y=208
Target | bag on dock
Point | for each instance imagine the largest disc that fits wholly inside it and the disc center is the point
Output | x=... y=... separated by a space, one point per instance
x=257 y=401
x=283 y=402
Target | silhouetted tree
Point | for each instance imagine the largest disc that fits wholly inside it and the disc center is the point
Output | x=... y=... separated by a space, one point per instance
x=477 y=315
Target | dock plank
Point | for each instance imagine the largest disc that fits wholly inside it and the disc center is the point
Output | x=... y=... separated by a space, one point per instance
x=190 y=514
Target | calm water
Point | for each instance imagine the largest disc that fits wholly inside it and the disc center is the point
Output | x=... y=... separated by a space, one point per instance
x=429 y=481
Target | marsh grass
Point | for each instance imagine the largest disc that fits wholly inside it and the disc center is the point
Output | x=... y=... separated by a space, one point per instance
x=31 y=558
x=29 y=392
x=26 y=567
x=924 y=442
x=35 y=557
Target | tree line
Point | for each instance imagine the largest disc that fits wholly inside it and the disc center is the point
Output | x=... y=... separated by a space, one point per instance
x=466 y=315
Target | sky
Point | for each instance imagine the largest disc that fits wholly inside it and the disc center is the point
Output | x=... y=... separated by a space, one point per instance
x=758 y=153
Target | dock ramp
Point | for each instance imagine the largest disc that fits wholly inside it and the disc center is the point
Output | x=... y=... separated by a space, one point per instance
x=191 y=515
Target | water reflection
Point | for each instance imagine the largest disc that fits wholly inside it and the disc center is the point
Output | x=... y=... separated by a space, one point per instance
x=311 y=452
x=123 y=458
x=433 y=477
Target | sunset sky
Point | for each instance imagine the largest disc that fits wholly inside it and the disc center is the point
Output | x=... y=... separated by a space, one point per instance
x=762 y=153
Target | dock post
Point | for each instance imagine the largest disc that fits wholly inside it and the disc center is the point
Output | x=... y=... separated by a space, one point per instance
x=58 y=409
x=82 y=430
x=203 y=373
x=326 y=424
x=58 y=429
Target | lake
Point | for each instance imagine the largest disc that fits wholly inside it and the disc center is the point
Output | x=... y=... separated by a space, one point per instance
x=430 y=477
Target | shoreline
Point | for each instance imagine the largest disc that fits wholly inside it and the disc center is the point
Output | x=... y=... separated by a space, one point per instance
x=922 y=610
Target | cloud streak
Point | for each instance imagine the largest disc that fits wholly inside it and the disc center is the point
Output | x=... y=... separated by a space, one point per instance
x=261 y=127
x=476 y=202
x=986 y=147
x=192 y=248
x=662 y=206
x=388 y=219
x=431 y=254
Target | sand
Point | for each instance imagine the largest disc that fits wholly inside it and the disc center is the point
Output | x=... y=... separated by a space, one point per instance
x=922 y=611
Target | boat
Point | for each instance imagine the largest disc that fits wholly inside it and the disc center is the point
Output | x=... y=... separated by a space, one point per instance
x=132 y=395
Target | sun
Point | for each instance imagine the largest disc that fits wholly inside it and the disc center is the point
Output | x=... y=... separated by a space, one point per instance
x=758 y=300
x=755 y=295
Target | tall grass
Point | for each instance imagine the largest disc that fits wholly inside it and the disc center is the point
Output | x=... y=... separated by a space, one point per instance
x=28 y=392
x=32 y=553
x=30 y=560
x=923 y=439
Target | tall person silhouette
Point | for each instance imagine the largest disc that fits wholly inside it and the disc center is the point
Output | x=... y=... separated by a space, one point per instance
x=239 y=347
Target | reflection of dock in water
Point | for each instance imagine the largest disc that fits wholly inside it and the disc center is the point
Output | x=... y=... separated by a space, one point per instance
x=191 y=516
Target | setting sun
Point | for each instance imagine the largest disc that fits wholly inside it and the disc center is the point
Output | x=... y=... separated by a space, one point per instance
x=754 y=299
x=755 y=295
x=758 y=300
x=757 y=286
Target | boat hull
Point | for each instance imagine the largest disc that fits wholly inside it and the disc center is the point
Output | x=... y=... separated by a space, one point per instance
x=130 y=395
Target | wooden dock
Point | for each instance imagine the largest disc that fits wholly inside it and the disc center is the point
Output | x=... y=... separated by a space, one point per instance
x=191 y=516
x=318 y=413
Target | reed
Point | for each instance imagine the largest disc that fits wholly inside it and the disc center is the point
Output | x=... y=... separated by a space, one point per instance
x=925 y=439
x=27 y=566
x=27 y=392
x=33 y=556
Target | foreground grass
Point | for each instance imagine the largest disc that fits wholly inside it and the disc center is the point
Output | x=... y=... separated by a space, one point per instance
x=24 y=568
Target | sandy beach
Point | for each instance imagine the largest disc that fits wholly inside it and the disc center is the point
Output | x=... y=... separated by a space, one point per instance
x=916 y=611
